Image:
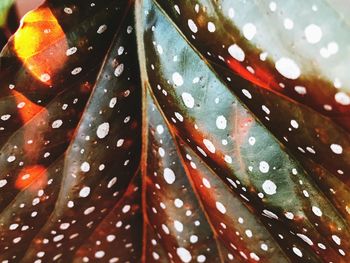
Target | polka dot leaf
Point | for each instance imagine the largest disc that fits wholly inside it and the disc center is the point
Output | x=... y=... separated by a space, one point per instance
x=176 y=131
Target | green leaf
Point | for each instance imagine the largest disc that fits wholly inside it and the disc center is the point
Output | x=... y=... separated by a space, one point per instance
x=5 y=6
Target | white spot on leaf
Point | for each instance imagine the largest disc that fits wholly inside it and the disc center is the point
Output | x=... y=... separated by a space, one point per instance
x=336 y=148
x=188 y=99
x=220 y=207
x=236 y=52
x=264 y=167
x=56 y=124
x=249 y=31
x=102 y=130
x=119 y=70
x=84 y=192
x=209 y=145
x=288 y=68
x=297 y=252
x=316 y=211
x=269 y=187
x=221 y=122
x=211 y=27
x=192 y=26
x=177 y=79
x=184 y=254
x=342 y=98
x=313 y=33
x=85 y=167
x=169 y=176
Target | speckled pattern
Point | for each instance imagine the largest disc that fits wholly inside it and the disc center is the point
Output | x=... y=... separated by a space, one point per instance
x=176 y=131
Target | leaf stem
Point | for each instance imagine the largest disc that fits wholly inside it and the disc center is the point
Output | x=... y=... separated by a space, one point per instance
x=144 y=135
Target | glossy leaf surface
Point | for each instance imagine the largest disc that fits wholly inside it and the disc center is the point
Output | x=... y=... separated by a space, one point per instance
x=175 y=131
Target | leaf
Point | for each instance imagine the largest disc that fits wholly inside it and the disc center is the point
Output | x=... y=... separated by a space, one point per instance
x=5 y=5
x=288 y=67
x=126 y=221
x=70 y=126
x=160 y=131
x=301 y=128
x=285 y=176
x=8 y=21
x=171 y=204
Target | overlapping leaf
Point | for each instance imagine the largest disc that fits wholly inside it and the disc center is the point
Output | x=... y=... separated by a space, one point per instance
x=8 y=21
x=233 y=156
x=4 y=9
